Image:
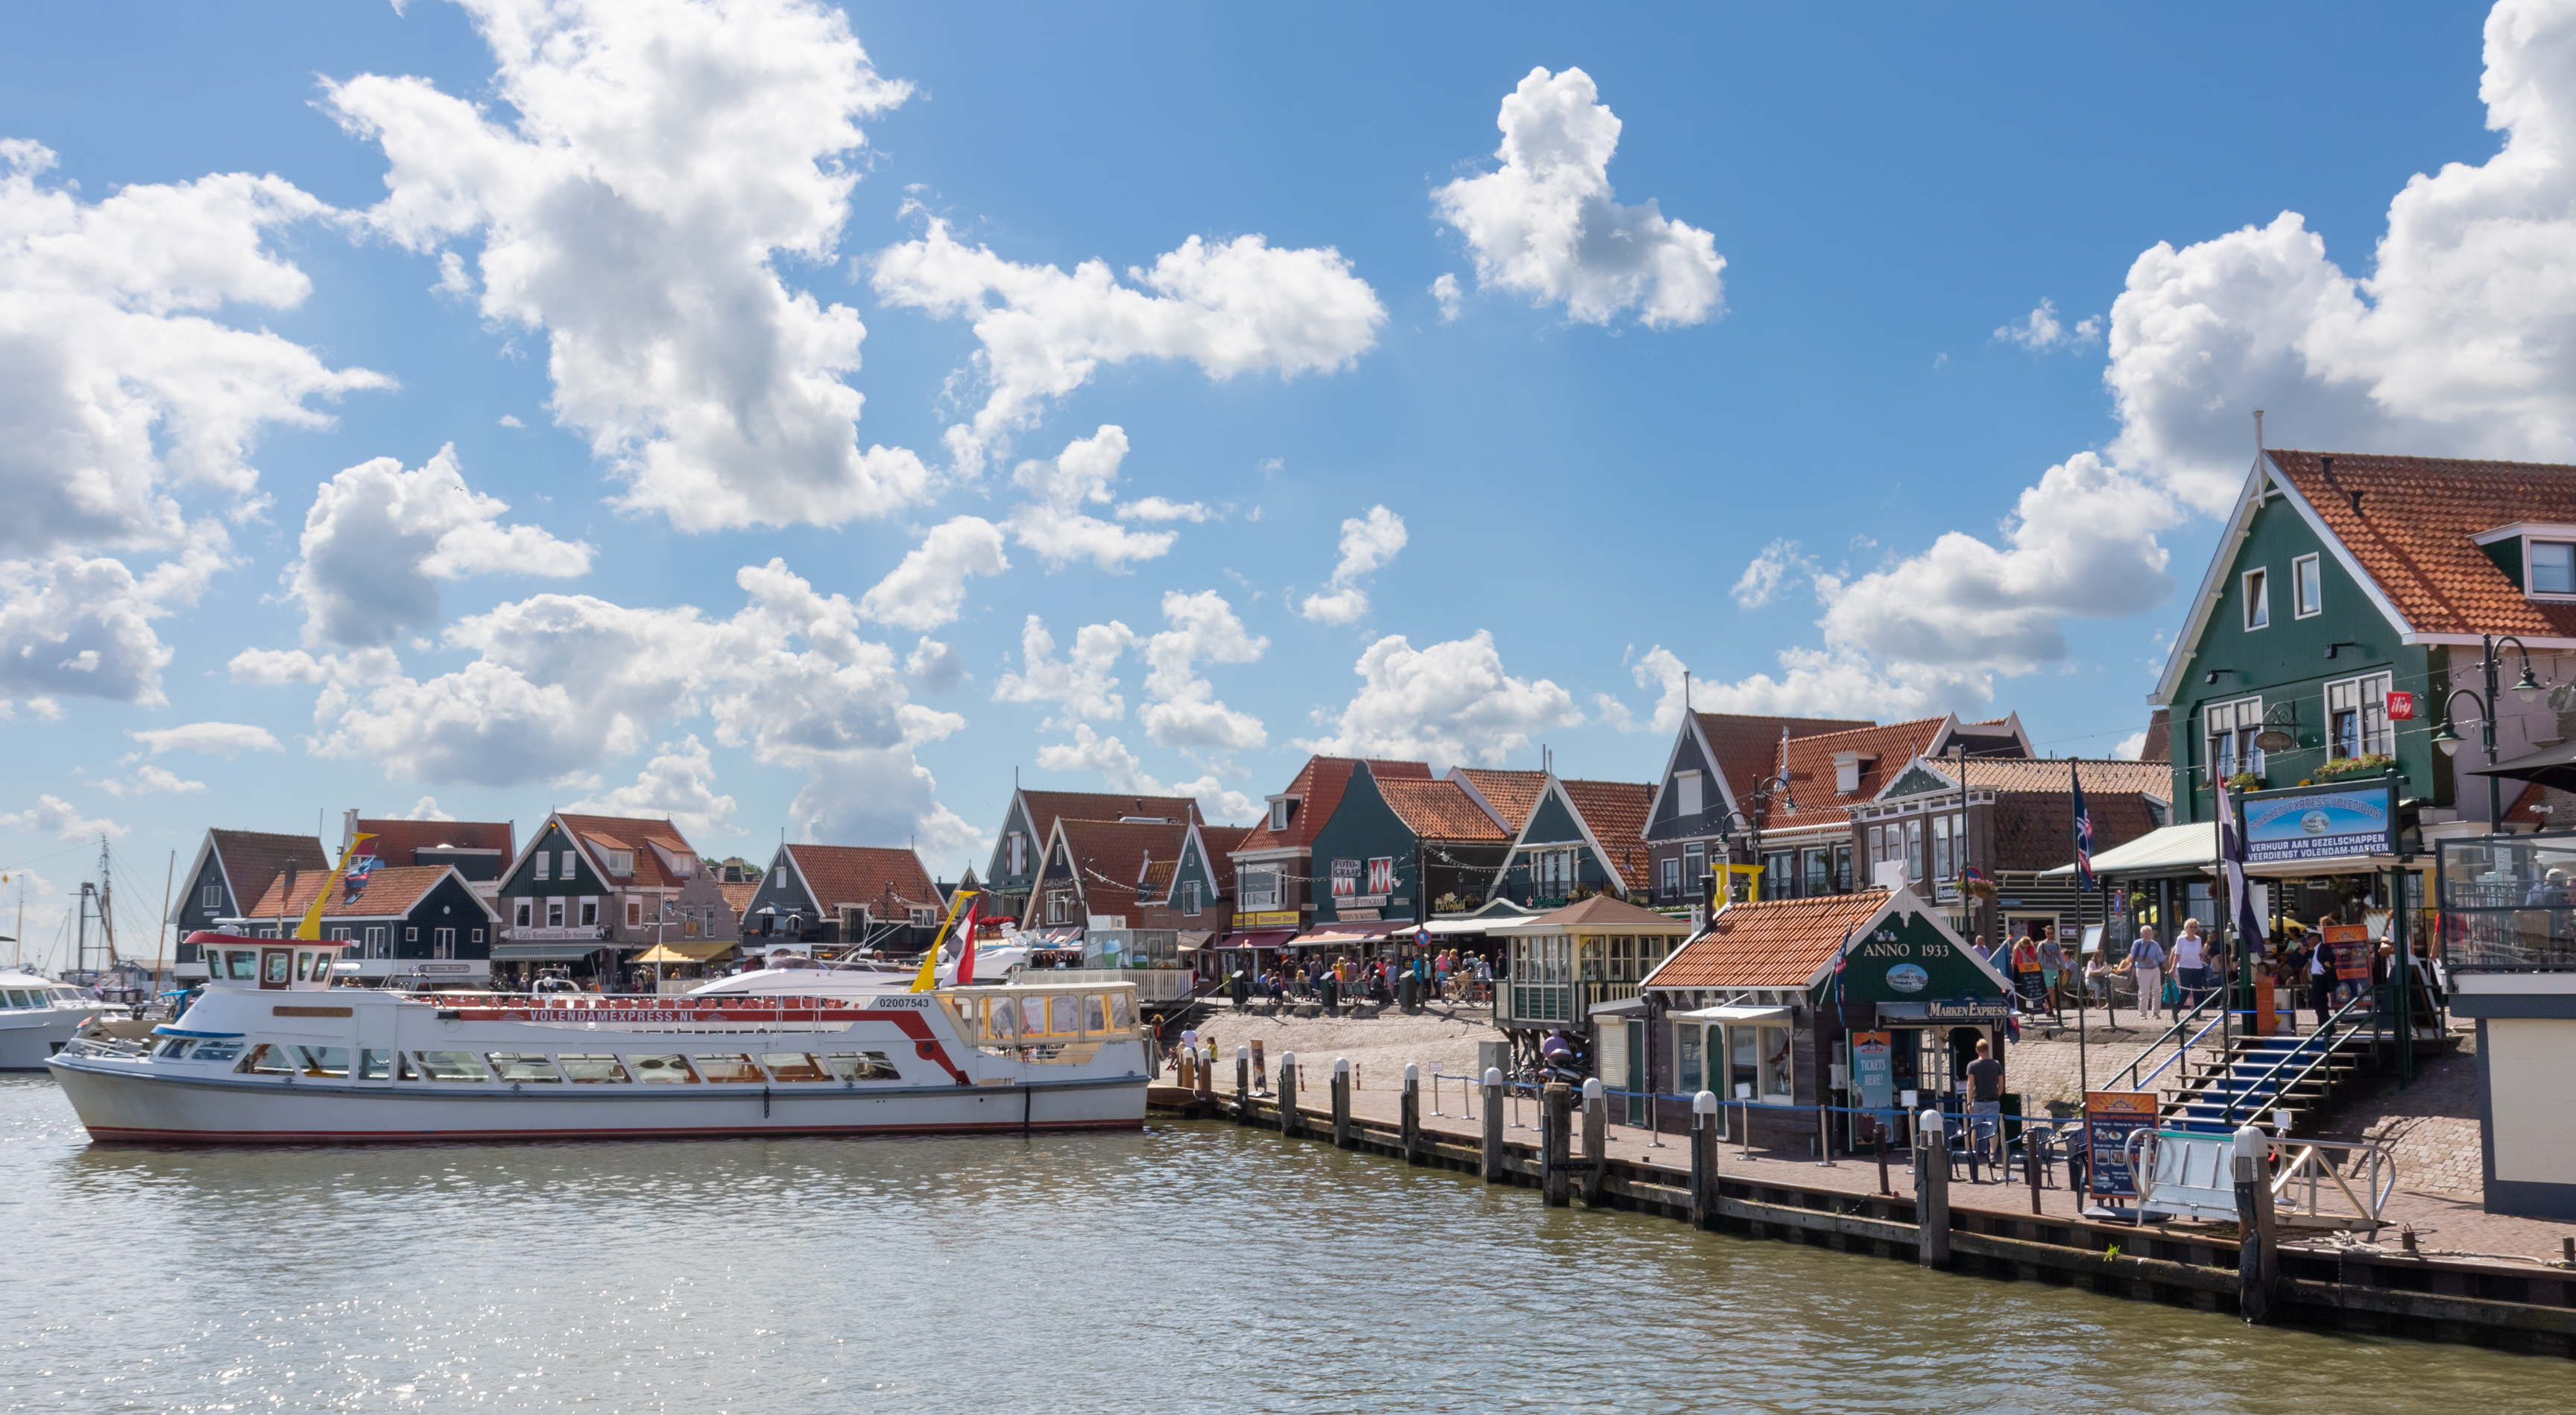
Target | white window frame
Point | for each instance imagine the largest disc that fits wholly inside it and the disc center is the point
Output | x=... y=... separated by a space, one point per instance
x=545 y=864
x=212 y=898
x=568 y=870
x=527 y=913
x=2307 y=587
x=2529 y=588
x=1672 y=876
x=621 y=862
x=2373 y=732
x=2245 y=720
x=1190 y=903
x=1686 y=793
x=2256 y=585
x=1279 y=815
x=1017 y=861
x=1257 y=888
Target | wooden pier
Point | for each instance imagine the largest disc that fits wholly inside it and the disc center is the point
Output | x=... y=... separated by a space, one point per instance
x=1992 y=1230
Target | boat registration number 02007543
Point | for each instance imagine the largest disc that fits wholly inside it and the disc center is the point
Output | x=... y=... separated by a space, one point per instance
x=882 y=1003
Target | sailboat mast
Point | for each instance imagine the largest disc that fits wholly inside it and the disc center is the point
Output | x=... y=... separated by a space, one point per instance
x=106 y=896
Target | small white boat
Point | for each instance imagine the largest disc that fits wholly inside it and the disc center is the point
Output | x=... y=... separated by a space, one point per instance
x=287 y=1058
x=798 y=973
x=39 y=1017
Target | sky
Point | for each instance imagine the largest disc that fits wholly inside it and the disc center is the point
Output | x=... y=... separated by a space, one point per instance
x=805 y=421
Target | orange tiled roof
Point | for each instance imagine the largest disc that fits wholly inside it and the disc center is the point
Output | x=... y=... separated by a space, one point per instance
x=395 y=840
x=253 y=859
x=877 y=877
x=1775 y=944
x=1812 y=776
x=1440 y=810
x=1109 y=855
x=2048 y=776
x=2411 y=525
x=1512 y=793
x=1321 y=782
x=1747 y=745
x=390 y=890
x=633 y=833
x=1048 y=807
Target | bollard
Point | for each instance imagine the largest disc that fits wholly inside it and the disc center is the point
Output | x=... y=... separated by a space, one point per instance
x=1243 y=1084
x=1556 y=1162
x=1493 y=1162
x=1409 y=1111
x=1704 y=1150
x=1288 y=1093
x=1207 y=1074
x=2030 y=1168
x=1931 y=1191
x=1342 y=1102
x=1596 y=1141
x=2258 y=1254
x=1189 y=1067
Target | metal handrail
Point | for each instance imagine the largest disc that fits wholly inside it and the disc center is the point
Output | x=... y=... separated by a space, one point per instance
x=2181 y=1022
x=2326 y=1041
x=2378 y=1181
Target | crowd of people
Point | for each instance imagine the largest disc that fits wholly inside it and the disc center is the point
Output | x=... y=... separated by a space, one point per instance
x=2165 y=980
x=1450 y=974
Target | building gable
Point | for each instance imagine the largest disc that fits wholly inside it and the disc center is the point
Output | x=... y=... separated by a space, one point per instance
x=1664 y=819
x=1917 y=780
x=1363 y=827
x=1015 y=821
x=783 y=889
x=552 y=840
x=1905 y=954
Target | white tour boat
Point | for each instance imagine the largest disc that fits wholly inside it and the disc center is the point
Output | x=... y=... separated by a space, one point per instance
x=802 y=974
x=273 y=1053
x=39 y=1017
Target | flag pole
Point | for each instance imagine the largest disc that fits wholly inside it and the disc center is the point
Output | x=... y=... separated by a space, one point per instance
x=2083 y=886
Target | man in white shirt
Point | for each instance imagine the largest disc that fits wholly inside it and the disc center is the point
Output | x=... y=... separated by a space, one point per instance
x=2147 y=961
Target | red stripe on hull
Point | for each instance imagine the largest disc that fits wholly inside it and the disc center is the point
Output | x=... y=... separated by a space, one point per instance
x=113 y=1135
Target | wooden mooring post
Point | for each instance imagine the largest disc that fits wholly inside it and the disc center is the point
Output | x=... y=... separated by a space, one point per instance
x=1704 y=1149
x=1342 y=1135
x=1207 y=1075
x=1243 y=1083
x=1492 y=1167
x=1931 y=1191
x=1596 y=1141
x=1409 y=1112
x=1555 y=1137
x=2258 y=1253
x=1288 y=1093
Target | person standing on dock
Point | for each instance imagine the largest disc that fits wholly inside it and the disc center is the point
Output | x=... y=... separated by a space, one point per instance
x=2147 y=964
x=1986 y=1100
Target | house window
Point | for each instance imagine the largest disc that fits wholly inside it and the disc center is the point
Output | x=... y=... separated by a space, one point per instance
x=634 y=913
x=589 y=912
x=1190 y=897
x=621 y=862
x=1279 y=815
x=1542 y=979
x=526 y=911
x=1019 y=854
x=923 y=918
x=1914 y=850
x=2551 y=568
x=1842 y=868
x=2307 y=587
x=2231 y=727
x=443 y=943
x=2258 y=599
x=1686 y=1055
x=567 y=864
x=1686 y=792
x=554 y=913
x=1940 y=848
x=213 y=897
x=1059 y=908
x=411 y=935
x=1819 y=876
x=1672 y=877
x=1259 y=889
x=377 y=941
x=478 y=938
x=2357 y=717
x=545 y=864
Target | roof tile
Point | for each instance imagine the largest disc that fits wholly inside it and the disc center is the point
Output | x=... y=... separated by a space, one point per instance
x=880 y=878
x=1320 y=782
x=392 y=889
x=1778 y=943
x=1514 y=794
x=1440 y=810
x=2409 y=521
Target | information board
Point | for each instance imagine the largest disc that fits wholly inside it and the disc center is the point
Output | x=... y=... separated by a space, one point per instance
x=2332 y=821
x=2110 y=1118
x=1874 y=1076
x=2352 y=951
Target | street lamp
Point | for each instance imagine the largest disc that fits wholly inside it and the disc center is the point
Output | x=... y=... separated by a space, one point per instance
x=2447 y=736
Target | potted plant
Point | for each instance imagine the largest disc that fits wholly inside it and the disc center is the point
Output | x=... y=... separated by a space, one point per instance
x=2367 y=764
x=2245 y=781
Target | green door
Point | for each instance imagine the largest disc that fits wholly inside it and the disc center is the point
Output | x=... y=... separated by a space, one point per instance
x=1635 y=1082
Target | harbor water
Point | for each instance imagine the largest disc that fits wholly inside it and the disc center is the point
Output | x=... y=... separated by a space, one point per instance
x=1194 y=1266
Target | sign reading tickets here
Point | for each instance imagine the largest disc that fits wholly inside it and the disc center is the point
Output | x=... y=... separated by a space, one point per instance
x=1874 y=1076
x=2110 y=1118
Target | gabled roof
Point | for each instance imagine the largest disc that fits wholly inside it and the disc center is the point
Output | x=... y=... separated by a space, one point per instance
x=1045 y=808
x=738 y=894
x=395 y=840
x=1319 y=786
x=2046 y=776
x=2413 y=532
x=1217 y=844
x=391 y=890
x=1599 y=914
x=633 y=833
x=1777 y=943
x=1510 y=795
x=1812 y=776
x=252 y=859
x=1615 y=812
x=1108 y=856
x=879 y=878
x=1441 y=810
x=1745 y=747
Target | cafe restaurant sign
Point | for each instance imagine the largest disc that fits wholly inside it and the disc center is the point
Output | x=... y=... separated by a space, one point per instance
x=2337 y=820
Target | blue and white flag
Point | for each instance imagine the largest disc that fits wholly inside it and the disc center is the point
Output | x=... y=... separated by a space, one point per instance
x=2083 y=829
x=2243 y=919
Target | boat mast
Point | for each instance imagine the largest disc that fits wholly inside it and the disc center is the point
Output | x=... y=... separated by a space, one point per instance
x=106 y=900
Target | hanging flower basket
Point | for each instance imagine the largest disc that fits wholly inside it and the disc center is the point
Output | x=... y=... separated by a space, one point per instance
x=2367 y=764
x=2245 y=781
x=1982 y=888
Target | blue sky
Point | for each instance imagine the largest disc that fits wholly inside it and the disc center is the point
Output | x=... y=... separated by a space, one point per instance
x=1681 y=468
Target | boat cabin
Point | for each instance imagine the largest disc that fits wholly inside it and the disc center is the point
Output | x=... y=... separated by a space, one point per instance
x=274 y=964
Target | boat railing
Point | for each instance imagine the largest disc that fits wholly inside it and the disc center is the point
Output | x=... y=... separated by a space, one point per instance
x=110 y=1048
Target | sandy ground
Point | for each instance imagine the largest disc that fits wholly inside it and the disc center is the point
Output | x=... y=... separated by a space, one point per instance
x=1378 y=1047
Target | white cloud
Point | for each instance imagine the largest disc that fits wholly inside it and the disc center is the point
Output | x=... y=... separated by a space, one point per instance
x=1120 y=771
x=936 y=667
x=1051 y=521
x=378 y=539
x=1185 y=712
x=116 y=377
x=223 y=739
x=2041 y=330
x=1157 y=508
x=1233 y=308
x=507 y=419
x=1451 y=702
x=1843 y=682
x=52 y=815
x=1368 y=542
x=664 y=162
x=1658 y=668
x=1544 y=224
x=425 y=809
x=82 y=627
x=1762 y=578
x=2461 y=340
x=2130 y=746
x=150 y=780
x=1445 y=291
x=1079 y=683
x=928 y=588
x=679 y=782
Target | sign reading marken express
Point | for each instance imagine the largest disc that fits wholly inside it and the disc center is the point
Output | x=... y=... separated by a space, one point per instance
x=2322 y=822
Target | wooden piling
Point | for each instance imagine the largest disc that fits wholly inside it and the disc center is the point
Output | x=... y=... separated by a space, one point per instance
x=1342 y=1103
x=1492 y=1167
x=2258 y=1253
x=1243 y=1083
x=1596 y=1142
x=1555 y=1137
x=1288 y=1093
x=1931 y=1191
x=1703 y=1170
x=1409 y=1112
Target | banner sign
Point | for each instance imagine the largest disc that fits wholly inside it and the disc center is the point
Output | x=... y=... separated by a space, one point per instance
x=2110 y=1118
x=1381 y=875
x=2322 y=822
x=1874 y=1076
x=1346 y=878
x=2351 y=944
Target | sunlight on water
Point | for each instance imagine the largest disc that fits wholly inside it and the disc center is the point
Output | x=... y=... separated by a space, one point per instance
x=1191 y=1267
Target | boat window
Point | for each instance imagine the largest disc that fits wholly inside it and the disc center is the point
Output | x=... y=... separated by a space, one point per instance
x=600 y=1067
x=267 y=1060
x=450 y=1065
x=1095 y=1013
x=241 y=966
x=795 y=1066
x=727 y=1067
x=663 y=1070
x=215 y=1051
x=1032 y=1016
x=1002 y=1018
x=523 y=1066
x=303 y=966
x=18 y=998
x=375 y=1065
x=276 y=966
x=1122 y=1009
x=330 y=1062
x=863 y=1066
x=174 y=1049
x=1064 y=1013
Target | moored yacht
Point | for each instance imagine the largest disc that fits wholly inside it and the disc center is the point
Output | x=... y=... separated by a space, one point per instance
x=39 y=1017
x=273 y=1053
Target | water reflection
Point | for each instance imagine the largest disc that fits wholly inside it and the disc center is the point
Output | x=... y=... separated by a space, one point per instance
x=1193 y=1266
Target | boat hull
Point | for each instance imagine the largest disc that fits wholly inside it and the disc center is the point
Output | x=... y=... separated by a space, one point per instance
x=29 y=1039
x=127 y=1105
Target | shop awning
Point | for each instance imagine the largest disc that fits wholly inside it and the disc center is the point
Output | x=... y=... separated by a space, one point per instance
x=1733 y=1013
x=2550 y=766
x=543 y=952
x=1193 y=942
x=1259 y=938
x=2174 y=849
x=1337 y=935
x=690 y=951
x=1442 y=927
x=1622 y=1007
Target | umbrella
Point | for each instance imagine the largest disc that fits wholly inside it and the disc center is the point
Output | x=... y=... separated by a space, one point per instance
x=2550 y=766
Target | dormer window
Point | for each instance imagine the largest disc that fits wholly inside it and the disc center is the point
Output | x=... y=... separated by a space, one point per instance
x=621 y=862
x=2552 y=566
x=1279 y=814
